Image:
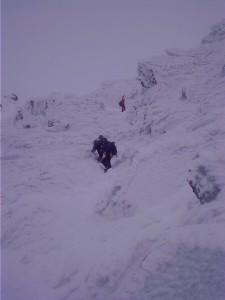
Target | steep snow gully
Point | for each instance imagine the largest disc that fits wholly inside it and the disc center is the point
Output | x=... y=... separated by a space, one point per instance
x=138 y=232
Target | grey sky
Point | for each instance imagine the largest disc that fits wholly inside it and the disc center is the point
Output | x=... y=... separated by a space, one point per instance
x=72 y=46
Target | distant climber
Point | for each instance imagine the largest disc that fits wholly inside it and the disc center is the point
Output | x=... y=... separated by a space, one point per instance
x=122 y=103
x=109 y=150
x=98 y=145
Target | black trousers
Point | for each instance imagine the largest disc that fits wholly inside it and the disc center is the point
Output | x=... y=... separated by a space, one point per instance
x=106 y=161
x=100 y=153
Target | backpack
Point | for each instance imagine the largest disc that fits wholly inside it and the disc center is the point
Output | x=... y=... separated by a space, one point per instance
x=111 y=147
x=120 y=103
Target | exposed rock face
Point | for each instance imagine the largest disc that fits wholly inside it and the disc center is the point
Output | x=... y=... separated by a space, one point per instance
x=203 y=185
x=14 y=97
x=146 y=75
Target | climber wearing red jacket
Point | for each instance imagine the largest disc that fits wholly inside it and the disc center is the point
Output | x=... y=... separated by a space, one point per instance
x=122 y=103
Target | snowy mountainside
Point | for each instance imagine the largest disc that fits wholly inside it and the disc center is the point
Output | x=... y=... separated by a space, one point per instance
x=110 y=92
x=72 y=232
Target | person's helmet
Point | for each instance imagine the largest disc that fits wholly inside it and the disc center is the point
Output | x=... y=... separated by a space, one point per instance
x=101 y=137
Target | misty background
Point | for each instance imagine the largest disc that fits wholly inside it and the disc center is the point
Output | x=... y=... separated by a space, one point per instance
x=72 y=46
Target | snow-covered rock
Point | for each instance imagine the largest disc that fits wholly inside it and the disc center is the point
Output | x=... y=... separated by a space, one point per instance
x=146 y=75
x=217 y=33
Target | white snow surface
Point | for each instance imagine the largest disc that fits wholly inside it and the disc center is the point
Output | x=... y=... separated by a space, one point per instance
x=138 y=232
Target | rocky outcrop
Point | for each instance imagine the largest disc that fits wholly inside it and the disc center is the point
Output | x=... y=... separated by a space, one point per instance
x=217 y=33
x=146 y=75
x=203 y=185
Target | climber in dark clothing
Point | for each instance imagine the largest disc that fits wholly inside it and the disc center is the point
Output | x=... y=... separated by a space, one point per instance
x=98 y=145
x=109 y=149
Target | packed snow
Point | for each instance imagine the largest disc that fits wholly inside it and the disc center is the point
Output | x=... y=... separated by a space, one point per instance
x=138 y=232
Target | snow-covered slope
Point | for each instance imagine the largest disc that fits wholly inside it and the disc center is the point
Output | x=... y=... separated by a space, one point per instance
x=72 y=232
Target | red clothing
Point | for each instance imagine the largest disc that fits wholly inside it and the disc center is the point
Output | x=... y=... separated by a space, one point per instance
x=122 y=103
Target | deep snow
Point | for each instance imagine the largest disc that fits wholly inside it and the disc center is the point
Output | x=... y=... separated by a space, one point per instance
x=70 y=231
